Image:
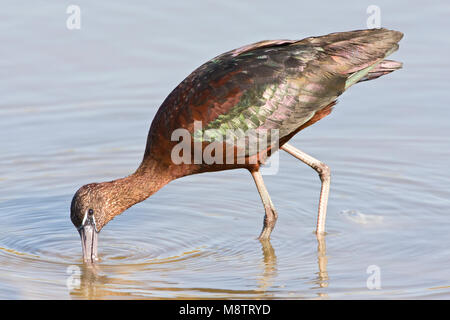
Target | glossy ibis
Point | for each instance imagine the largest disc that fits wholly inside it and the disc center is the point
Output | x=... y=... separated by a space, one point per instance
x=279 y=85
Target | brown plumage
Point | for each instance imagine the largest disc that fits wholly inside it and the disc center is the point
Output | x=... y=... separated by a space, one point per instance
x=280 y=85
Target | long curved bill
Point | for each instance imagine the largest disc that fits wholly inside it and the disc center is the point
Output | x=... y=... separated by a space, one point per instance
x=89 y=241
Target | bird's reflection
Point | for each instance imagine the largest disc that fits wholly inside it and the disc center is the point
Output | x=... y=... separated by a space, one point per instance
x=322 y=259
x=93 y=282
x=90 y=278
x=270 y=265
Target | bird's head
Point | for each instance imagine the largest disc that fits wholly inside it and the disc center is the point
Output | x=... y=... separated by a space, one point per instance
x=89 y=213
x=95 y=204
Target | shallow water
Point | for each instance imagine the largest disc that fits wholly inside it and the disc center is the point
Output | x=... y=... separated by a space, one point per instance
x=75 y=108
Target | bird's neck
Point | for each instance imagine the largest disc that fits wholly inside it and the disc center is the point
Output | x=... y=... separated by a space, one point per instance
x=126 y=192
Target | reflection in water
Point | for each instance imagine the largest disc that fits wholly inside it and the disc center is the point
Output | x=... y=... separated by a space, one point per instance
x=270 y=265
x=322 y=260
x=94 y=284
x=90 y=278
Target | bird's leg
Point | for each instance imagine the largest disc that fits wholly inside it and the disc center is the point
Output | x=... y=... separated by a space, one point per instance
x=271 y=215
x=324 y=173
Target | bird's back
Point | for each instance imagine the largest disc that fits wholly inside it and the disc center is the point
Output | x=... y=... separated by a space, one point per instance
x=279 y=84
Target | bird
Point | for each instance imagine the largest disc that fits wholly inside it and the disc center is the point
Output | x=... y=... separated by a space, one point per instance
x=270 y=90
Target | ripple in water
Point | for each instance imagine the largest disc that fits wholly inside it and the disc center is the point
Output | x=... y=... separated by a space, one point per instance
x=362 y=218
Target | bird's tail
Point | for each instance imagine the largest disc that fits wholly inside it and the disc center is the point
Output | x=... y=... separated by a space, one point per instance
x=384 y=67
x=360 y=55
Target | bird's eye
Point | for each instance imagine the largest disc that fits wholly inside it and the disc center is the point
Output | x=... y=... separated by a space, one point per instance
x=91 y=212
